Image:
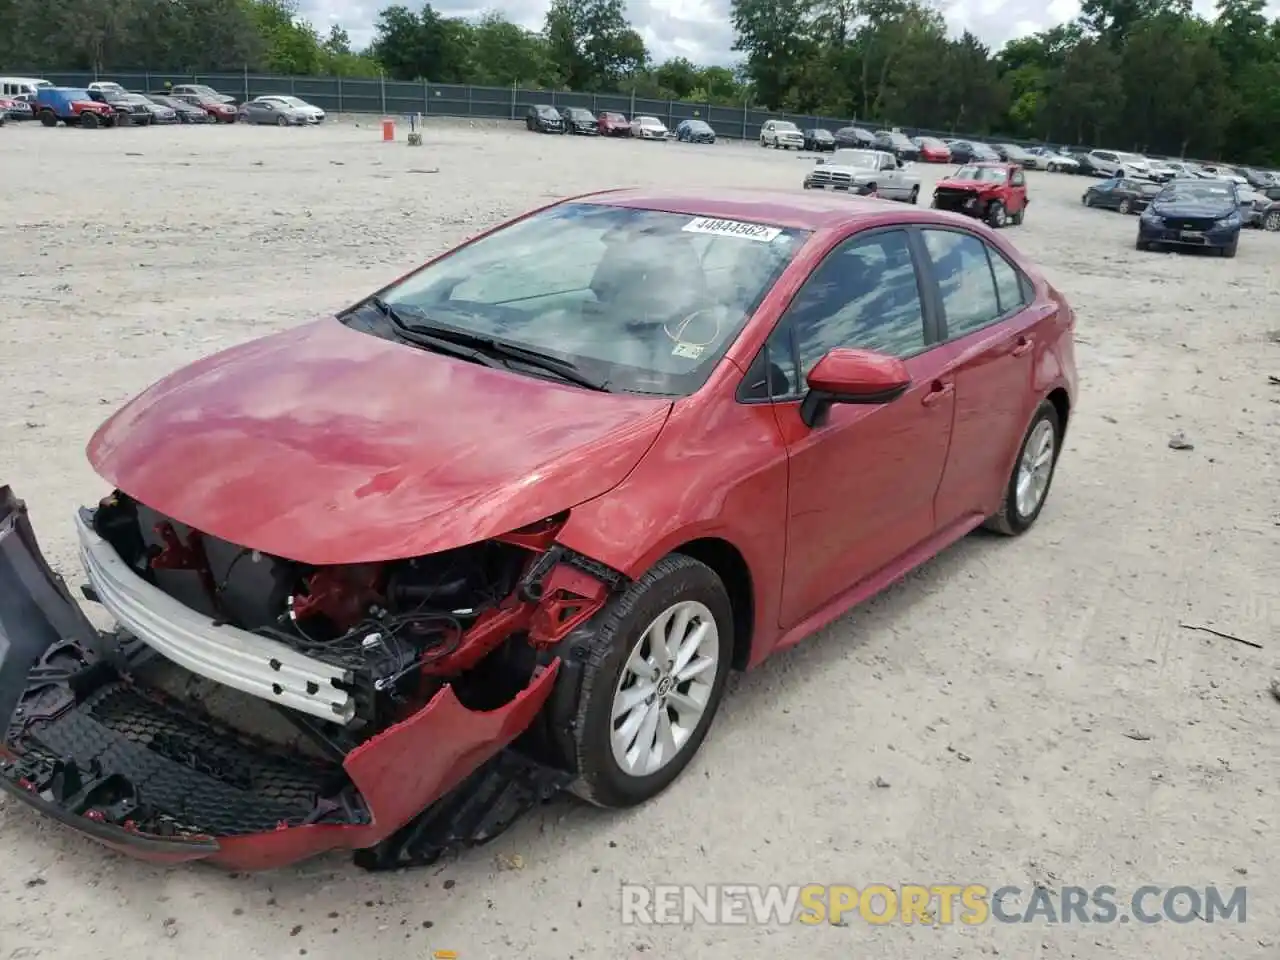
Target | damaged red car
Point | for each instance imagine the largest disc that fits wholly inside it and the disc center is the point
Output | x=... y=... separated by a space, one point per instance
x=385 y=580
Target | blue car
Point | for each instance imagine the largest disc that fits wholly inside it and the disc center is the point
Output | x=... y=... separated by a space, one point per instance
x=1193 y=213
x=695 y=131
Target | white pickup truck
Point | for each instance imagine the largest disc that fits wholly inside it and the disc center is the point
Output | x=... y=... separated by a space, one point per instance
x=865 y=172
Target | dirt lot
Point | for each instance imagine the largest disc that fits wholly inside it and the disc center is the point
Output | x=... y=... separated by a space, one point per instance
x=1019 y=712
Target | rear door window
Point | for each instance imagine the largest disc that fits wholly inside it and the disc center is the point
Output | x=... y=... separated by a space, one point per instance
x=965 y=280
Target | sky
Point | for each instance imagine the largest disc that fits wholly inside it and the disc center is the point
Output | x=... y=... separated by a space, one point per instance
x=701 y=30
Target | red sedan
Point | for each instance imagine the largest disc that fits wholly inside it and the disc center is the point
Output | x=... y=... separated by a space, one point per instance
x=933 y=150
x=508 y=524
x=613 y=124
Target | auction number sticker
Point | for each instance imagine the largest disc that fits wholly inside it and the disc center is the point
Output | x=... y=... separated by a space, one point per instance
x=710 y=226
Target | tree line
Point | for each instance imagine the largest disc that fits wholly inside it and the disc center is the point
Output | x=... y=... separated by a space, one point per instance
x=1147 y=75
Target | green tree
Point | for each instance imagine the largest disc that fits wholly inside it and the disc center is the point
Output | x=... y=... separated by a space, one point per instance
x=592 y=45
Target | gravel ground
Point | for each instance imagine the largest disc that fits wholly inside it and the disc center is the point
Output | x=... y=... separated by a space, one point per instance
x=1019 y=712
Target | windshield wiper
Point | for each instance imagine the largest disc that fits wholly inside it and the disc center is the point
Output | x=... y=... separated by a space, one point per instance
x=563 y=369
x=438 y=344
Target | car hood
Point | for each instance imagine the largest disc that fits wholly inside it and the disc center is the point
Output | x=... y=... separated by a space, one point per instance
x=324 y=444
x=977 y=186
x=1183 y=208
x=858 y=173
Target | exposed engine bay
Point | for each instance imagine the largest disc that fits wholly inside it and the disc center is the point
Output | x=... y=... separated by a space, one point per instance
x=373 y=690
x=389 y=633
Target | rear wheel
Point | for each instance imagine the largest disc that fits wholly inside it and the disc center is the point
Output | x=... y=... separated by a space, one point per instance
x=915 y=195
x=1028 y=486
x=656 y=672
x=1272 y=221
x=1126 y=206
x=48 y=119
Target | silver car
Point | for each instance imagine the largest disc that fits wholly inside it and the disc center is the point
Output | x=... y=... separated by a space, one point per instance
x=310 y=111
x=270 y=111
x=865 y=172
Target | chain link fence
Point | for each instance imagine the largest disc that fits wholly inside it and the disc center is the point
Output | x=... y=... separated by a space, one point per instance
x=402 y=98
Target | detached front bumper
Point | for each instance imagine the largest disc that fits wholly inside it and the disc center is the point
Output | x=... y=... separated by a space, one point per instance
x=87 y=744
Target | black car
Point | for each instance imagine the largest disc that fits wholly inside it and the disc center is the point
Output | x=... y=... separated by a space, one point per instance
x=187 y=112
x=544 y=118
x=819 y=140
x=855 y=138
x=127 y=109
x=1080 y=155
x=1121 y=193
x=897 y=143
x=695 y=131
x=579 y=120
x=971 y=151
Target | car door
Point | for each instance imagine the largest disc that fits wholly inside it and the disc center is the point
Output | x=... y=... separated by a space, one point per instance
x=1017 y=191
x=993 y=329
x=861 y=484
x=888 y=180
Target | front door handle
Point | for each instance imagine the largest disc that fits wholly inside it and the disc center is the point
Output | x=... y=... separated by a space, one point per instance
x=1023 y=346
x=937 y=392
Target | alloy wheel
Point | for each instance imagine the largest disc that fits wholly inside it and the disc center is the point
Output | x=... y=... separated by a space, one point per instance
x=1034 y=469
x=664 y=688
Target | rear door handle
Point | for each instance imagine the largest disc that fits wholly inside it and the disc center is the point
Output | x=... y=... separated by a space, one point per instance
x=937 y=393
x=1023 y=346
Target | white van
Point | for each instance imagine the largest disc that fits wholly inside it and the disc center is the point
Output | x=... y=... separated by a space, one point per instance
x=17 y=86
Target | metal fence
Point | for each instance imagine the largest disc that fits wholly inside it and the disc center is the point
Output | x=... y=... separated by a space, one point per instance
x=401 y=98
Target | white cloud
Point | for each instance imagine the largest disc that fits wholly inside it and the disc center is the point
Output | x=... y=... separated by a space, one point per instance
x=700 y=29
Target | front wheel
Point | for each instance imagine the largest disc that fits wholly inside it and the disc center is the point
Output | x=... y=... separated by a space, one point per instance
x=1028 y=486
x=997 y=215
x=89 y=120
x=658 y=661
x=1229 y=251
x=282 y=121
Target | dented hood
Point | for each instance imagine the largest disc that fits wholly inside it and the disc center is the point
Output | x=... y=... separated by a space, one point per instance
x=324 y=444
x=974 y=186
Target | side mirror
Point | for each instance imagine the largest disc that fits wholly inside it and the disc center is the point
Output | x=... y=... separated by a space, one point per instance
x=852 y=376
x=819 y=162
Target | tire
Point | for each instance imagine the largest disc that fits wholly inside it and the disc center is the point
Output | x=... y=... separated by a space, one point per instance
x=1142 y=245
x=612 y=640
x=1010 y=520
x=997 y=215
x=1021 y=215
x=89 y=121
x=1087 y=200
x=282 y=121
x=1051 y=168
x=1126 y=206
x=1230 y=251
x=48 y=119
x=915 y=196
x=1272 y=221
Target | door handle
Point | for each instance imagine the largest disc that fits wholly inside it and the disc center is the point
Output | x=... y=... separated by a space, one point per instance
x=1023 y=346
x=937 y=392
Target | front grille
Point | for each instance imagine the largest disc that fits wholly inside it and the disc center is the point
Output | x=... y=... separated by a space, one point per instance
x=950 y=198
x=832 y=177
x=1189 y=223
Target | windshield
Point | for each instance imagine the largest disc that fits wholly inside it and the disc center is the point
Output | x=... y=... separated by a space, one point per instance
x=1150 y=189
x=204 y=91
x=786 y=126
x=1198 y=191
x=1014 y=151
x=931 y=142
x=72 y=93
x=613 y=116
x=986 y=174
x=649 y=121
x=645 y=301
x=854 y=158
x=548 y=111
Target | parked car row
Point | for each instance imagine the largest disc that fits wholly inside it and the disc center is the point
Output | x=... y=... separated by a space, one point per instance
x=1130 y=195
x=544 y=118
x=107 y=104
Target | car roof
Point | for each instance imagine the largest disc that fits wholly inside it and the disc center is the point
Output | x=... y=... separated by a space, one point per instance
x=813 y=210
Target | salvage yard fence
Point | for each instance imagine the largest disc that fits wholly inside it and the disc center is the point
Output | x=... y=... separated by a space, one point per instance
x=405 y=98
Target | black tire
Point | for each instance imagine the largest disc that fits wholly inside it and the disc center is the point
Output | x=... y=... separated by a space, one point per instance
x=1230 y=251
x=48 y=118
x=1142 y=245
x=997 y=215
x=1021 y=215
x=89 y=121
x=1007 y=520
x=915 y=196
x=610 y=640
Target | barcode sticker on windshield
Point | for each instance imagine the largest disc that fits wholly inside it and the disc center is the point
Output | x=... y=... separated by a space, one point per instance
x=732 y=228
